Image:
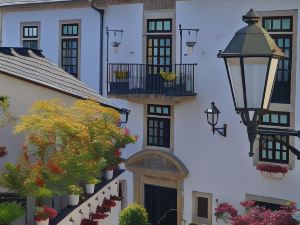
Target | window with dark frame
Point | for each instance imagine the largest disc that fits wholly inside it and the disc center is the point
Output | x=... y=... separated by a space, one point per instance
x=30 y=35
x=159 y=25
x=271 y=150
x=70 y=48
x=281 y=29
x=158 y=125
x=202 y=210
x=275 y=119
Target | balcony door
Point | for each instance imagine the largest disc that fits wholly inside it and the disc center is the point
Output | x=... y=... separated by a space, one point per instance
x=159 y=52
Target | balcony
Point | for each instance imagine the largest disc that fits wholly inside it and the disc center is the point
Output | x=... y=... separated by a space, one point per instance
x=138 y=82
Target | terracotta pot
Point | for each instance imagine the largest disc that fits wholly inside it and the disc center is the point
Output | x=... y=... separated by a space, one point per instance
x=89 y=188
x=42 y=222
x=73 y=200
x=109 y=174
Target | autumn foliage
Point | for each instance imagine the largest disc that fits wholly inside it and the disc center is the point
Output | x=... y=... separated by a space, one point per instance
x=64 y=145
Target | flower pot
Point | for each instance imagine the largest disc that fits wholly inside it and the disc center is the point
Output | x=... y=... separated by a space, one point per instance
x=42 y=222
x=109 y=174
x=89 y=188
x=271 y=175
x=122 y=166
x=73 y=200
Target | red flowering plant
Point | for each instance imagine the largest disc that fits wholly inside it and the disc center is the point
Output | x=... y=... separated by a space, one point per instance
x=248 y=204
x=44 y=213
x=86 y=221
x=98 y=216
x=262 y=216
x=225 y=212
x=264 y=167
x=116 y=198
x=108 y=203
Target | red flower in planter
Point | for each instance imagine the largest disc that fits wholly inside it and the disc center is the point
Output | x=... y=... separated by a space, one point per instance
x=118 y=153
x=225 y=209
x=271 y=168
x=39 y=181
x=86 y=221
x=44 y=213
x=248 y=204
x=99 y=216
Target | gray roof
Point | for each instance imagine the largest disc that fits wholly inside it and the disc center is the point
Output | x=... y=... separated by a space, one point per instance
x=23 y=2
x=30 y=65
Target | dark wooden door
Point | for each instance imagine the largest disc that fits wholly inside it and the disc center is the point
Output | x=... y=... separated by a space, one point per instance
x=161 y=204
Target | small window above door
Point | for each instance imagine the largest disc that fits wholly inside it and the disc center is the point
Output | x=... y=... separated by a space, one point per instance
x=159 y=25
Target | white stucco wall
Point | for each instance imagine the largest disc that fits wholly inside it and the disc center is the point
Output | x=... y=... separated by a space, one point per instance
x=50 y=39
x=219 y=165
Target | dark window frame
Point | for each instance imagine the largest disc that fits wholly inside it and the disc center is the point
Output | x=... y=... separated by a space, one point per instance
x=69 y=24
x=275 y=124
x=166 y=136
x=199 y=213
x=30 y=26
x=158 y=114
x=70 y=38
x=281 y=18
x=273 y=149
x=163 y=25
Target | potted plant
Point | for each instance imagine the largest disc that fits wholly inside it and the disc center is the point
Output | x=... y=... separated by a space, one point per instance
x=73 y=194
x=272 y=171
x=10 y=212
x=109 y=172
x=90 y=185
x=43 y=214
x=134 y=214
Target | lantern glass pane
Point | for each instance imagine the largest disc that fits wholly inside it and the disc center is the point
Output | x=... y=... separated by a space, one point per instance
x=255 y=78
x=270 y=83
x=235 y=74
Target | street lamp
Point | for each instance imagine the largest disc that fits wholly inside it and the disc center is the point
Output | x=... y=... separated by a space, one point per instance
x=251 y=60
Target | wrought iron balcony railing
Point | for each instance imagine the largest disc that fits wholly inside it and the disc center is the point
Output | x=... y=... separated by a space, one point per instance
x=146 y=79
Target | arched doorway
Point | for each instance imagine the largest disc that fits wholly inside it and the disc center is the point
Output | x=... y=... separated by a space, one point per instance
x=158 y=178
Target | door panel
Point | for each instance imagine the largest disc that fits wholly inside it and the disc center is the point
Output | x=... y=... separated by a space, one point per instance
x=161 y=204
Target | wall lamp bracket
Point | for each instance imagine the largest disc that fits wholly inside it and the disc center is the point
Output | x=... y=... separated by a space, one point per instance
x=212 y=119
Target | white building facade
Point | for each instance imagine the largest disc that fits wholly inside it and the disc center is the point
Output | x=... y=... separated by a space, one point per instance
x=177 y=163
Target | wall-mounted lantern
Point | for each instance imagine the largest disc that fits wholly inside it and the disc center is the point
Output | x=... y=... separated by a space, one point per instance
x=212 y=119
x=114 y=39
x=124 y=115
x=191 y=41
x=251 y=60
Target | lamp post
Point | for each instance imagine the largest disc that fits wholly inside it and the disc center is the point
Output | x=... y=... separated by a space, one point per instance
x=191 y=42
x=251 y=60
x=115 y=43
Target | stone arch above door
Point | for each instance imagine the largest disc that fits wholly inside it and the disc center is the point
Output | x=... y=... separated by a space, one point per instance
x=157 y=161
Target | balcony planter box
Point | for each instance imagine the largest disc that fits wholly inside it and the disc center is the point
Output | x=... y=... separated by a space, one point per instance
x=89 y=188
x=272 y=175
x=119 y=87
x=73 y=200
x=42 y=222
x=109 y=174
x=272 y=171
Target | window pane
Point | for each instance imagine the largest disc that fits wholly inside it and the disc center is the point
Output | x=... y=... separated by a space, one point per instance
x=276 y=24
x=274 y=118
x=268 y=24
x=165 y=110
x=159 y=25
x=151 y=26
x=203 y=207
x=283 y=119
x=266 y=118
x=286 y=24
x=167 y=25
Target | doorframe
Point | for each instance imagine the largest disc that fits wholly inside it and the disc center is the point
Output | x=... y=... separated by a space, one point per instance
x=158 y=179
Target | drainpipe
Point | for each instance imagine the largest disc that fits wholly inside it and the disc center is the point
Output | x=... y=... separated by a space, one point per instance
x=101 y=13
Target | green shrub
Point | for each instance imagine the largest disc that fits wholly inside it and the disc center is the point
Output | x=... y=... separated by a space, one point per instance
x=10 y=212
x=134 y=214
x=74 y=190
